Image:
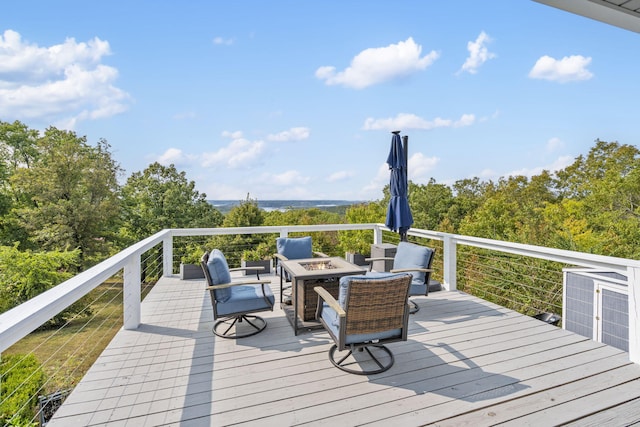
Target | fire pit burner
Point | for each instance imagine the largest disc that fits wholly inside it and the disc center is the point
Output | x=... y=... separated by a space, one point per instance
x=318 y=265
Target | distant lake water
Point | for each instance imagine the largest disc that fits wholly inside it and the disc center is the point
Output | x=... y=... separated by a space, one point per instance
x=225 y=206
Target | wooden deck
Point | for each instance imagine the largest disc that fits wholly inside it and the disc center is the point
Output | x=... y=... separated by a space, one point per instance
x=467 y=362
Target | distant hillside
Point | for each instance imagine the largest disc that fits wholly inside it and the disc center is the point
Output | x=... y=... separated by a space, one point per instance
x=338 y=206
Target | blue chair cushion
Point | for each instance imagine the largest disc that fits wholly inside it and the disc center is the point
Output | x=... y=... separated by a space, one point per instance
x=244 y=299
x=219 y=272
x=417 y=288
x=294 y=247
x=409 y=255
x=332 y=321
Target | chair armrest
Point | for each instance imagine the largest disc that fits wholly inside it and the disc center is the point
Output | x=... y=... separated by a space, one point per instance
x=408 y=270
x=238 y=283
x=329 y=299
x=280 y=257
x=255 y=269
x=320 y=254
x=382 y=258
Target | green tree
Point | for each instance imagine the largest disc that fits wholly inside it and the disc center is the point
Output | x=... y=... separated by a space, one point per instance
x=359 y=241
x=430 y=204
x=26 y=274
x=161 y=197
x=244 y=214
x=18 y=149
x=512 y=210
x=606 y=184
x=67 y=195
x=468 y=195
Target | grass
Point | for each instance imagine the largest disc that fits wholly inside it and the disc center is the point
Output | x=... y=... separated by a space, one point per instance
x=67 y=353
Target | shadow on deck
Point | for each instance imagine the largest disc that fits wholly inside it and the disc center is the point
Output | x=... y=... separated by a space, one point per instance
x=467 y=362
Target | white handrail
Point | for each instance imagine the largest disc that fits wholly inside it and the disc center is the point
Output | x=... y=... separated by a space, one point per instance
x=22 y=320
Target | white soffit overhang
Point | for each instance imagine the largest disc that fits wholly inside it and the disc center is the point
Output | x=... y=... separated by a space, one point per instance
x=621 y=13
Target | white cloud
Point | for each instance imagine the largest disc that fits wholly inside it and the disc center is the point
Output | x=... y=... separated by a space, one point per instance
x=239 y=154
x=233 y=135
x=558 y=164
x=377 y=183
x=293 y=134
x=377 y=65
x=407 y=121
x=176 y=157
x=488 y=174
x=478 y=53
x=554 y=144
x=420 y=166
x=222 y=41
x=291 y=177
x=568 y=69
x=64 y=82
x=340 y=176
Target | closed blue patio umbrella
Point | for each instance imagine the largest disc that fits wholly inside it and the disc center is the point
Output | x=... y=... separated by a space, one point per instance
x=399 y=216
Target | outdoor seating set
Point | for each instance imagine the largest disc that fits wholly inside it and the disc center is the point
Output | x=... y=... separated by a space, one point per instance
x=361 y=310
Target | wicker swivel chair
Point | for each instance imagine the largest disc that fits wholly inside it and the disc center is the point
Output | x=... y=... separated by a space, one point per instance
x=233 y=301
x=371 y=311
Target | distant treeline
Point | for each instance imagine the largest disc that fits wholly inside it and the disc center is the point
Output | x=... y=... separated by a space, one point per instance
x=61 y=195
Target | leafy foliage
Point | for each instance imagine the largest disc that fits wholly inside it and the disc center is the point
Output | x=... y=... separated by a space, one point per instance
x=66 y=194
x=25 y=274
x=22 y=380
x=359 y=241
x=161 y=197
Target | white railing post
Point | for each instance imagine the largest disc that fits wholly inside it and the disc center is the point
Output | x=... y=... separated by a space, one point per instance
x=449 y=260
x=132 y=292
x=284 y=233
x=633 y=283
x=167 y=256
x=377 y=235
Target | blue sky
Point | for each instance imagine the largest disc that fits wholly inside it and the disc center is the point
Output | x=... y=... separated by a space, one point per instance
x=296 y=99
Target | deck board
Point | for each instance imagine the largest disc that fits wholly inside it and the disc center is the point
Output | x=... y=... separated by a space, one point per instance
x=466 y=362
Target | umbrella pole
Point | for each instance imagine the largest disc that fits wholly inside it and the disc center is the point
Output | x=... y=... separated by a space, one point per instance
x=405 y=146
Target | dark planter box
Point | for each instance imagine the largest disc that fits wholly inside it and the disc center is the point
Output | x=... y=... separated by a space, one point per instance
x=266 y=263
x=191 y=271
x=356 y=258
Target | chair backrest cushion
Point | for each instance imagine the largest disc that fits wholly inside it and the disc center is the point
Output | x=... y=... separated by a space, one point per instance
x=410 y=255
x=294 y=247
x=219 y=273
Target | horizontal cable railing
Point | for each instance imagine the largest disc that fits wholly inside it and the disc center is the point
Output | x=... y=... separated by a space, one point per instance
x=529 y=286
x=61 y=354
x=521 y=277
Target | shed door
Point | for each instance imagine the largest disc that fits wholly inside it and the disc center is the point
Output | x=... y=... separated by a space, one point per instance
x=611 y=321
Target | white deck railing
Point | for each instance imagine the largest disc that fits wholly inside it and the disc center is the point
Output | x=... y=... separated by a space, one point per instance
x=22 y=320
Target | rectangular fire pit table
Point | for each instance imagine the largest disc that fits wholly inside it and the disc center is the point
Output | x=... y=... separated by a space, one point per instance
x=305 y=275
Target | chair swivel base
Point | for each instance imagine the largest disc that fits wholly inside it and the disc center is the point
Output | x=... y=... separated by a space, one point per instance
x=255 y=324
x=413 y=307
x=342 y=365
